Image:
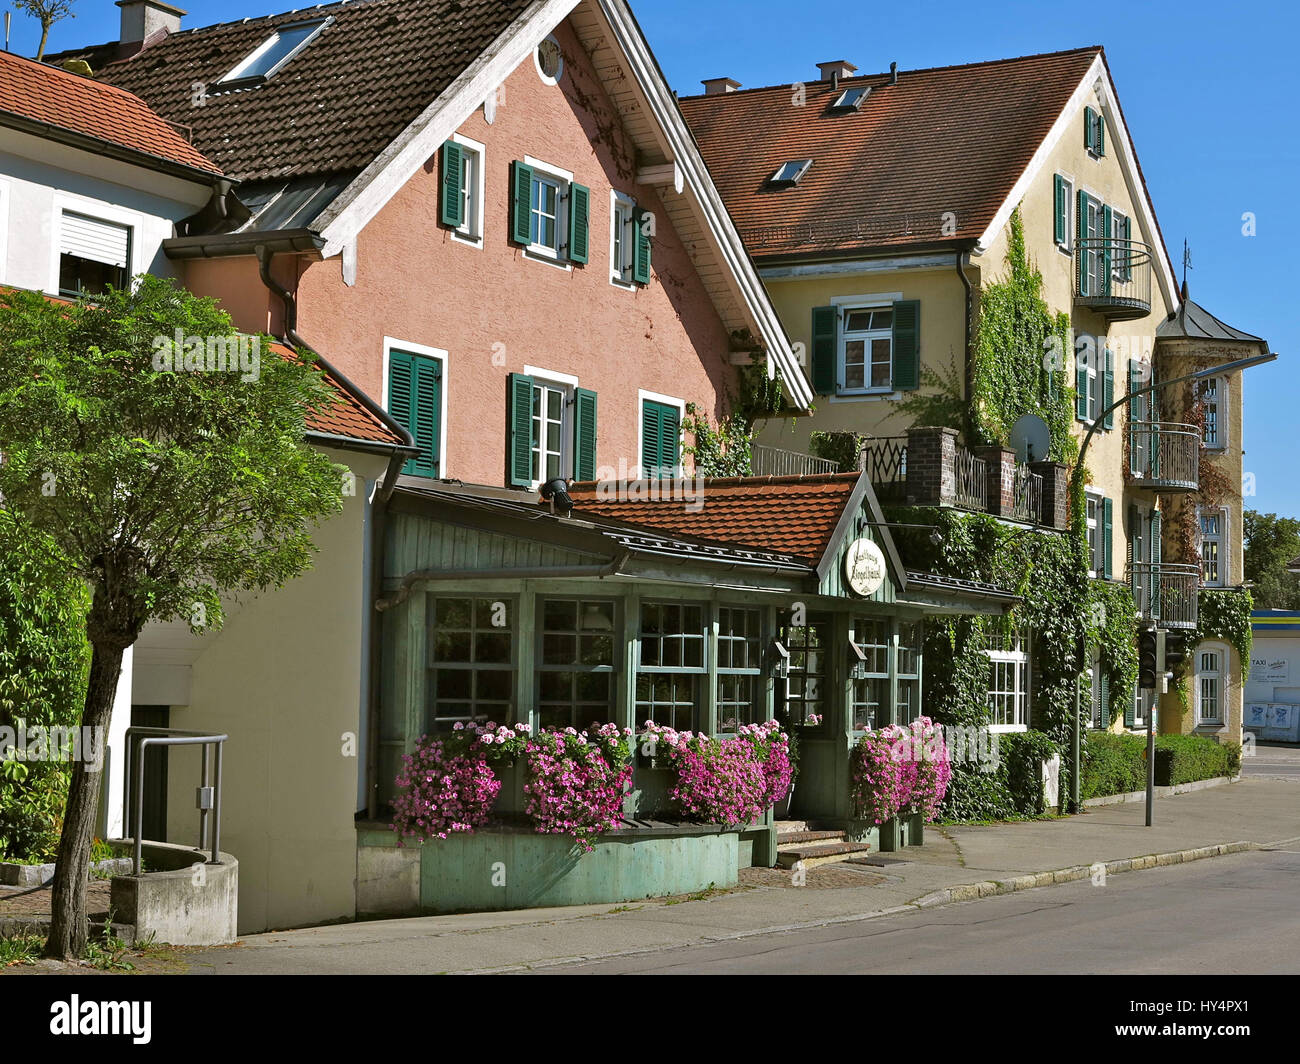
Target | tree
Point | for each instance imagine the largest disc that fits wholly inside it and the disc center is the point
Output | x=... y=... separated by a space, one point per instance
x=165 y=486
x=48 y=12
x=1272 y=542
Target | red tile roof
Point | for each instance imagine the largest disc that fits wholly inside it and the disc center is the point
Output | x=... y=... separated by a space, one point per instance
x=949 y=139
x=40 y=93
x=348 y=417
x=788 y=515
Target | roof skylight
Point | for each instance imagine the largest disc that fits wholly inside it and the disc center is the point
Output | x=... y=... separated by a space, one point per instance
x=274 y=52
x=851 y=99
x=789 y=173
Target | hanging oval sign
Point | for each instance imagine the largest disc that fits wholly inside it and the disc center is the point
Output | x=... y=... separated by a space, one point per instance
x=864 y=567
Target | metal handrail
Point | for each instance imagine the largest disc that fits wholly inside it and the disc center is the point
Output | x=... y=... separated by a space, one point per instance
x=173 y=737
x=779 y=462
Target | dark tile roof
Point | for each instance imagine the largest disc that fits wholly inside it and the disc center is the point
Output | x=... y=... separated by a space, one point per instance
x=36 y=92
x=796 y=516
x=336 y=105
x=1193 y=321
x=949 y=139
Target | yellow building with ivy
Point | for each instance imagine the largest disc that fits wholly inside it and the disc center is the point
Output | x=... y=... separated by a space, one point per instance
x=952 y=249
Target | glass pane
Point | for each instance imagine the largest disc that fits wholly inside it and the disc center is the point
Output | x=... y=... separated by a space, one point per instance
x=451 y=646
x=857 y=321
x=598 y=650
x=493 y=684
x=594 y=687
x=452 y=683
x=880 y=363
x=453 y=613
x=561 y=614
x=493 y=648
x=557 y=686
x=559 y=649
x=882 y=319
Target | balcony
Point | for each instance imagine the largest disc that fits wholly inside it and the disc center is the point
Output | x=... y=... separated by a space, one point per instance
x=1113 y=277
x=1165 y=593
x=1165 y=456
x=775 y=462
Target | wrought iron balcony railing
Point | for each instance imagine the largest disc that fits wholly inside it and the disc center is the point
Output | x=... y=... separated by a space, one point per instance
x=1165 y=592
x=775 y=462
x=1165 y=456
x=1113 y=276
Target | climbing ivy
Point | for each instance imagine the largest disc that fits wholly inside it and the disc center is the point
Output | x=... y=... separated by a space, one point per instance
x=1223 y=616
x=1113 y=628
x=725 y=449
x=1018 y=361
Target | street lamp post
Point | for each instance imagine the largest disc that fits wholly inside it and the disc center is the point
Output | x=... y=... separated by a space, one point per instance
x=1076 y=482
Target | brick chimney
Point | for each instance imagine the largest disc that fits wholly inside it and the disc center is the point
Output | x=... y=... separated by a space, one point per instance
x=836 y=69
x=717 y=86
x=143 y=18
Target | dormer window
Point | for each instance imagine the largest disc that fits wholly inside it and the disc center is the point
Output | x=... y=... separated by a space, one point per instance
x=274 y=52
x=789 y=173
x=850 y=99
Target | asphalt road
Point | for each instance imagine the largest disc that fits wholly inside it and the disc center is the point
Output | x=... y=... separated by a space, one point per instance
x=1273 y=760
x=1229 y=915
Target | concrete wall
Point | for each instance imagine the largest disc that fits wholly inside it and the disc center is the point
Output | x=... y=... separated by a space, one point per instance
x=418 y=284
x=285 y=679
x=183 y=900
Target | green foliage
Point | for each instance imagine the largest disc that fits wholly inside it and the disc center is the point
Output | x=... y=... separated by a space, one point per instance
x=941 y=399
x=1018 y=363
x=842 y=448
x=1116 y=764
x=43 y=662
x=1022 y=755
x=1113 y=764
x=724 y=451
x=1113 y=628
x=1188 y=758
x=20 y=949
x=161 y=490
x=1272 y=542
x=1011 y=791
x=1223 y=614
x=976 y=795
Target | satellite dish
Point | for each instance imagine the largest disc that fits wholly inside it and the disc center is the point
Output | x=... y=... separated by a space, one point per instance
x=1031 y=438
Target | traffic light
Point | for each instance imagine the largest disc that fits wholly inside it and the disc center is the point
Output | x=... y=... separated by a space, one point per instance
x=1148 y=658
x=1175 y=653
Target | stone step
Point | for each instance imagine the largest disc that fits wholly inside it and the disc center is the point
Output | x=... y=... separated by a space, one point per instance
x=825 y=853
x=786 y=839
x=785 y=827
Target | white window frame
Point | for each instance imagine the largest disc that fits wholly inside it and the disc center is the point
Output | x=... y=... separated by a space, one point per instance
x=1022 y=670
x=237 y=72
x=1220 y=404
x=844 y=337
x=1067 y=245
x=547 y=79
x=1094 y=388
x=98 y=209
x=1117 y=220
x=472 y=192
x=1220 y=675
x=622 y=217
x=643 y=397
x=1097 y=713
x=1093 y=516
x=1222 y=539
x=1139 y=709
x=438 y=355
x=1098 y=233
x=567 y=385
x=563 y=180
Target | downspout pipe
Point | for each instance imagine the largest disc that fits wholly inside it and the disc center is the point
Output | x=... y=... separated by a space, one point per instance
x=377 y=522
x=963 y=260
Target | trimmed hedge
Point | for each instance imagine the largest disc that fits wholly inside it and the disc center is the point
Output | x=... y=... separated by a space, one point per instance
x=1012 y=791
x=1116 y=764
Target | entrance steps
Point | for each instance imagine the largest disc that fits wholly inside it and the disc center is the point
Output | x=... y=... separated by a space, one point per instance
x=798 y=842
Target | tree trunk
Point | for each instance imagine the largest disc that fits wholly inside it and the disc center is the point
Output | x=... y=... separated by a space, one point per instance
x=45 y=36
x=68 y=928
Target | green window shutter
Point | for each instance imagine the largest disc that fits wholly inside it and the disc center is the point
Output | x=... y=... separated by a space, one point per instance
x=1128 y=249
x=1107 y=537
x=1107 y=247
x=907 y=345
x=1061 y=213
x=1080 y=385
x=1108 y=389
x=661 y=430
x=579 y=222
x=453 y=192
x=519 y=416
x=1103 y=698
x=670 y=439
x=584 y=434
x=1081 y=252
x=1130 y=718
x=1099 y=138
x=521 y=203
x=415 y=400
x=1134 y=417
x=1156 y=590
x=825 y=353
x=1089 y=128
x=641 y=259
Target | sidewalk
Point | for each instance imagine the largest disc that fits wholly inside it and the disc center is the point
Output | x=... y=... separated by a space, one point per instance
x=1256 y=811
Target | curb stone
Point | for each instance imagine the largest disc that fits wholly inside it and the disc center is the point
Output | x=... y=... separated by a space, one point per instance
x=1030 y=881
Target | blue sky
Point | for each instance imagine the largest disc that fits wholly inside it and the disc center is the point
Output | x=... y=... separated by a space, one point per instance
x=1209 y=91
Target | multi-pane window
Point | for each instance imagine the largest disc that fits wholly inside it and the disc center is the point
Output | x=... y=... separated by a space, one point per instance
x=910 y=636
x=672 y=666
x=805 y=690
x=1212 y=559
x=550 y=402
x=1209 y=686
x=545 y=227
x=1211 y=406
x=576 y=681
x=867 y=349
x=870 y=706
x=471 y=660
x=740 y=664
x=623 y=242
x=1009 y=678
x=93 y=254
x=1092 y=269
x=1095 y=563
x=1097 y=709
